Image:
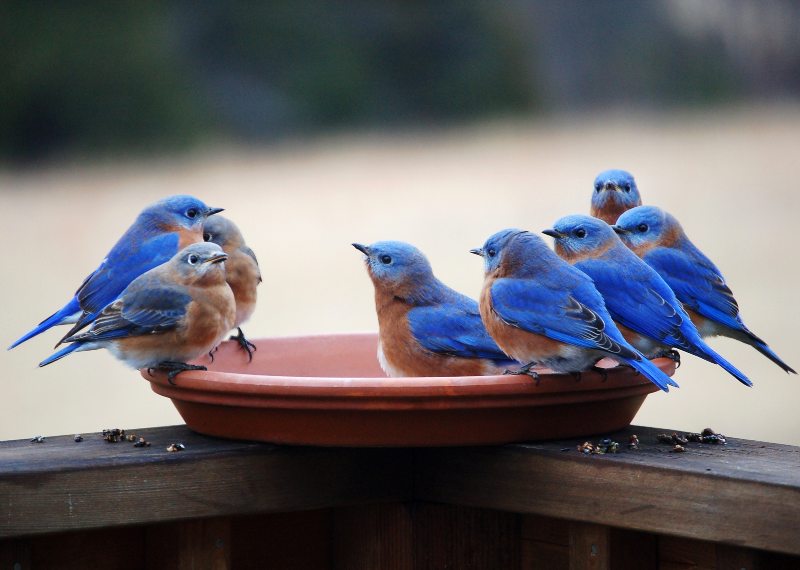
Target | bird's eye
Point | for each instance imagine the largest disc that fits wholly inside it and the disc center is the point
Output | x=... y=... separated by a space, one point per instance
x=580 y=233
x=207 y=236
x=191 y=213
x=627 y=187
x=386 y=259
x=642 y=227
x=193 y=259
x=491 y=252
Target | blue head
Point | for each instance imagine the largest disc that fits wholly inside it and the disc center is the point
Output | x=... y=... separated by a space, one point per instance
x=579 y=236
x=648 y=226
x=396 y=266
x=615 y=192
x=511 y=250
x=176 y=212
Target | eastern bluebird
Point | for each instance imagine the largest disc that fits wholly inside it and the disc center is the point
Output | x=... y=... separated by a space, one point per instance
x=241 y=271
x=425 y=327
x=615 y=192
x=660 y=241
x=642 y=305
x=166 y=316
x=159 y=232
x=542 y=311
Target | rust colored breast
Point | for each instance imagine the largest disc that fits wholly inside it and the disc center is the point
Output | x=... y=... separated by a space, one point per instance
x=609 y=212
x=404 y=356
x=520 y=344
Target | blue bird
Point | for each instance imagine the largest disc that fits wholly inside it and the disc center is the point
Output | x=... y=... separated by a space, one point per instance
x=658 y=238
x=615 y=192
x=159 y=232
x=425 y=327
x=167 y=316
x=542 y=311
x=642 y=305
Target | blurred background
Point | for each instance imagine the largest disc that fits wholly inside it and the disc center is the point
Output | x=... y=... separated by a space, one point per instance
x=433 y=123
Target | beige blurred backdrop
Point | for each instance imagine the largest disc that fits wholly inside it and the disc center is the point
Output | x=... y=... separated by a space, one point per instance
x=730 y=176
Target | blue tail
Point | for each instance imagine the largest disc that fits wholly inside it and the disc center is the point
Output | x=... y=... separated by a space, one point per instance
x=762 y=347
x=653 y=373
x=708 y=353
x=60 y=354
x=61 y=316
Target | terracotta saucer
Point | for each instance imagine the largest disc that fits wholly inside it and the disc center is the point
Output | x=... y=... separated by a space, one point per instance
x=329 y=390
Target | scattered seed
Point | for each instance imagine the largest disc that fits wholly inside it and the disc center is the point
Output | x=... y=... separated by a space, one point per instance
x=173 y=447
x=664 y=438
x=141 y=442
x=77 y=438
x=38 y=439
x=678 y=449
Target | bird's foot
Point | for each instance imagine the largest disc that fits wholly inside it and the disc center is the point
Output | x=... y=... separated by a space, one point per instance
x=173 y=368
x=246 y=345
x=674 y=356
x=525 y=371
x=601 y=371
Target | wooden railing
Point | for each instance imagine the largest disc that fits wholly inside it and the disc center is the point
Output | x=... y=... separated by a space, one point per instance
x=226 y=504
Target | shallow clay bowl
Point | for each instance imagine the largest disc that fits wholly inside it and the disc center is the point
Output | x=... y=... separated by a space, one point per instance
x=330 y=390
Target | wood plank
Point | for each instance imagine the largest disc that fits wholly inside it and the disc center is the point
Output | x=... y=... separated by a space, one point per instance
x=745 y=493
x=61 y=485
x=684 y=553
x=735 y=558
x=633 y=550
x=589 y=546
x=373 y=536
x=462 y=537
x=544 y=543
x=289 y=541
x=119 y=548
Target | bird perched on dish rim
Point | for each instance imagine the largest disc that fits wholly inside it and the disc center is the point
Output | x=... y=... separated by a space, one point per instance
x=642 y=305
x=658 y=238
x=159 y=232
x=541 y=311
x=241 y=271
x=425 y=327
x=167 y=316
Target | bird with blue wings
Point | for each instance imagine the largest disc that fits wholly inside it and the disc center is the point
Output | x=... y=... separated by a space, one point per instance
x=167 y=316
x=241 y=271
x=658 y=238
x=543 y=312
x=615 y=192
x=159 y=232
x=642 y=305
x=425 y=327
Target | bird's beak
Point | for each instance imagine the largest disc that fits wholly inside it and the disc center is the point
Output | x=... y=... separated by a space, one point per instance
x=219 y=258
x=609 y=186
x=477 y=251
x=362 y=248
x=553 y=233
x=619 y=230
x=212 y=211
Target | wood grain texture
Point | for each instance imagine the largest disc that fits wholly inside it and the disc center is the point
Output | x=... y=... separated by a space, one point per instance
x=745 y=493
x=61 y=485
x=448 y=536
x=373 y=536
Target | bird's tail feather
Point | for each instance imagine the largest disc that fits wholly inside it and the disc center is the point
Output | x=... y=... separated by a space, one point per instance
x=60 y=354
x=653 y=373
x=711 y=355
x=767 y=351
x=64 y=315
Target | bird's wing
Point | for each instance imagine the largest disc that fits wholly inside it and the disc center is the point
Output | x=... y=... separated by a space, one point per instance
x=453 y=330
x=637 y=298
x=556 y=314
x=697 y=283
x=139 y=312
x=123 y=264
x=250 y=253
